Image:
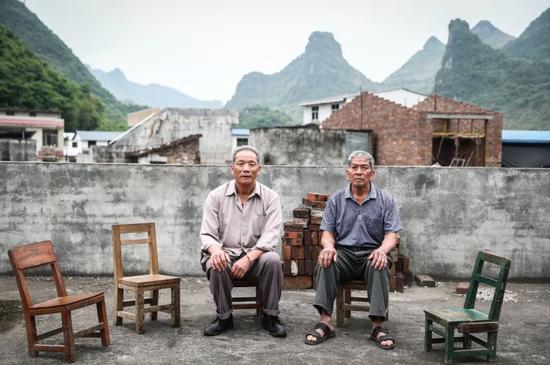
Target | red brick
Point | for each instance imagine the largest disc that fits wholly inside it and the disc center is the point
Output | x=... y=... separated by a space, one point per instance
x=300 y=213
x=297 y=282
x=299 y=235
x=292 y=227
x=297 y=252
x=462 y=288
x=316 y=197
x=308 y=252
x=307 y=237
x=286 y=252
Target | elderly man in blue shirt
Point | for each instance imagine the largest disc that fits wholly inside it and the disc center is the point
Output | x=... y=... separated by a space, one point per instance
x=360 y=227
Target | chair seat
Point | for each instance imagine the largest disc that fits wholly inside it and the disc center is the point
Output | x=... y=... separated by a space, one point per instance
x=72 y=301
x=355 y=285
x=147 y=280
x=456 y=315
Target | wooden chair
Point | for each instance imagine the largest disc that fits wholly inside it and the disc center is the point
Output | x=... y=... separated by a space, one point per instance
x=247 y=302
x=345 y=297
x=139 y=284
x=41 y=254
x=468 y=320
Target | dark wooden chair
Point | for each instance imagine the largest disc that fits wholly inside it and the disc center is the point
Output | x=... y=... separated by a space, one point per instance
x=40 y=254
x=139 y=284
x=247 y=302
x=345 y=298
x=468 y=320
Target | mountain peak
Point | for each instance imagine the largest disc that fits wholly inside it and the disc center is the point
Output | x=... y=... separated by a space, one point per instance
x=323 y=42
x=433 y=43
x=491 y=35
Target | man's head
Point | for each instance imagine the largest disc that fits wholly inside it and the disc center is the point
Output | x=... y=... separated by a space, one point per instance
x=246 y=165
x=360 y=170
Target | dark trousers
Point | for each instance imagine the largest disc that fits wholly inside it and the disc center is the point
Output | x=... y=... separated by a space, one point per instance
x=353 y=265
x=267 y=271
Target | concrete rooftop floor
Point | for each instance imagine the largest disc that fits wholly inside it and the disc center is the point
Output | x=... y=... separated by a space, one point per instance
x=523 y=337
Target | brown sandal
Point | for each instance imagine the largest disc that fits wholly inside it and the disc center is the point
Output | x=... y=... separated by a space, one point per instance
x=386 y=337
x=327 y=333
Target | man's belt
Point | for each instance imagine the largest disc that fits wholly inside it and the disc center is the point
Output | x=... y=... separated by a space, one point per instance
x=355 y=248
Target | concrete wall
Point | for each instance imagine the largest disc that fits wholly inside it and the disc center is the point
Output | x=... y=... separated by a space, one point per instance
x=171 y=124
x=17 y=150
x=449 y=213
x=308 y=145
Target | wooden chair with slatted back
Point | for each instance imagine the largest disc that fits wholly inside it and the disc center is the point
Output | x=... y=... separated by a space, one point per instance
x=41 y=254
x=345 y=298
x=139 y=284
x=467 y=320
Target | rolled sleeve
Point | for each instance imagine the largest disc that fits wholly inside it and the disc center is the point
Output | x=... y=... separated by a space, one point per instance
x=271 y=229
x=392 y=221
x=209 y=234
x=328 y=223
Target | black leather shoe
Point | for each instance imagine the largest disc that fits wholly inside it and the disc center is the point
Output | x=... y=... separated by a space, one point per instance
x=218 y=326
x=273 y=325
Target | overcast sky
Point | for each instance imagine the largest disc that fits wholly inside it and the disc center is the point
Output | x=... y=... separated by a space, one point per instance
x=203 y=48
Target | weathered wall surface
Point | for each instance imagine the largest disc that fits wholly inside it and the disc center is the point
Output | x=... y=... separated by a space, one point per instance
x=448 y=213
x=308 y=145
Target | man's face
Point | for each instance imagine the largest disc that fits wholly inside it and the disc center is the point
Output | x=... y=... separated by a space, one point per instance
x=245 y=168
x=359 y=172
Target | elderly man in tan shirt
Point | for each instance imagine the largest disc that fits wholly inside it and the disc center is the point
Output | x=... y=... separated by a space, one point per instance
x=240 y=228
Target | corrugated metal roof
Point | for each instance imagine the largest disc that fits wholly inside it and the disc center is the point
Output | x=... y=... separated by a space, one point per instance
x=516 y=136
x=240 y=132
x=97 y=135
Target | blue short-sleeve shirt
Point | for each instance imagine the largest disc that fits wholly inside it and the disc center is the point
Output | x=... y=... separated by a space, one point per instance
x=365 y=224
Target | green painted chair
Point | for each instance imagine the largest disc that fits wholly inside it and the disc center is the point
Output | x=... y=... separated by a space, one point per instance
x=467 y=320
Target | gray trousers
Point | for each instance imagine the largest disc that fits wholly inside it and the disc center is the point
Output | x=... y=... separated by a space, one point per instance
x=353 y=265
x=266 y=271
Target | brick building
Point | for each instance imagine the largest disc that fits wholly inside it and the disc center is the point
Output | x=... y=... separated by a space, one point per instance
x=435 y=130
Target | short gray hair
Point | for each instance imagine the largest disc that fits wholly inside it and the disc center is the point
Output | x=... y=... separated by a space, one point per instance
x=246 y=148
x=363 y=154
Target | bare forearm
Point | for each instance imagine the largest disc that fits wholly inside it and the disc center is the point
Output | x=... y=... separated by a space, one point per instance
x=389 y=242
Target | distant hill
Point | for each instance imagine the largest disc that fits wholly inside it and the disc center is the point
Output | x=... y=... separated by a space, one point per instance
x=534 y=42
x=27 y=82
x=491 y=35
x=154 y=95
x=476 y=73
x=418 y=73
x=15 y=16
x=319 y=72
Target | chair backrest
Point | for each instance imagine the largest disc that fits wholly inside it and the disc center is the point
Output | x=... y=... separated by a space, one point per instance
x=30 y=256
x=499 y=283
x=118 y=242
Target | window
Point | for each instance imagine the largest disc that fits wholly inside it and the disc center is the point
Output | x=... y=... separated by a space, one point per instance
x=49 y=137
x=334 y=108
x=75 y=144
x=315 y=112
x=242 y=141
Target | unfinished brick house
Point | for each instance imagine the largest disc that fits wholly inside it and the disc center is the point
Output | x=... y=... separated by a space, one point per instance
x=436 y=130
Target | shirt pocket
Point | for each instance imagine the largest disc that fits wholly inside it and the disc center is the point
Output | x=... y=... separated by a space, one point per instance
x=375 y=228
x=258 y=220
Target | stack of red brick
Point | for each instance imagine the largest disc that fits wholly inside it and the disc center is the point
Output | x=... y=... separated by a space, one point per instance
x=301 y=242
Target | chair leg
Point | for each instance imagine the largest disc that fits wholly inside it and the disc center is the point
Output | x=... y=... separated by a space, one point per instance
x=140 y=317
x=258 y=301
x=30 y=322
x=428 y=334
x=449 y=344
x=154 y=301
x=347 y=300
x=119 y=305
x=466 y=341
x=175 y=291
x=492 y=345
x=102 y=318
x=68 y=335
x=340 y=307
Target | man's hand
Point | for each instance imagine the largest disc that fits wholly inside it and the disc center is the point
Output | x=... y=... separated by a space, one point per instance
x=379 y=259
x=240 y=267
x=219 y=258
x=327 y=256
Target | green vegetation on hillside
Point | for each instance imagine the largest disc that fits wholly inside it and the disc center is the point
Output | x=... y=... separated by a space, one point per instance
x=474 y=72
x=258 y=117
x=534 y=42
x=24 y=24
x=27 y=82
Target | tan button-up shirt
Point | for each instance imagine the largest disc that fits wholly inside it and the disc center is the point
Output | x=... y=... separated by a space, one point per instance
x=235 y=227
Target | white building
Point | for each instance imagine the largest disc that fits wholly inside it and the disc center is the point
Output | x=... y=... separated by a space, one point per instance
x=318 y=111
x=78 y=145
